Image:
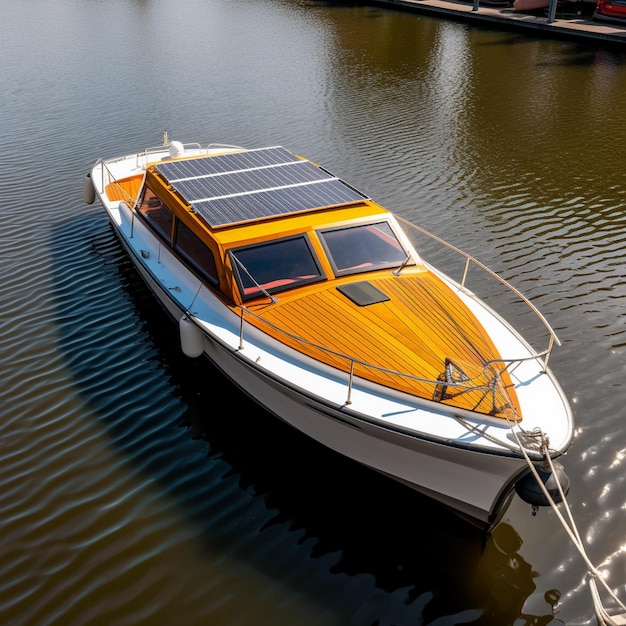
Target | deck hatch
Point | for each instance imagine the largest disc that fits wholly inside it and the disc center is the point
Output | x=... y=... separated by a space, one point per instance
x=255 y=184
x=363 y=293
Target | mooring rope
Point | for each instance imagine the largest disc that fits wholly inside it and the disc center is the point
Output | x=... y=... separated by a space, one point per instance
x=604 y=619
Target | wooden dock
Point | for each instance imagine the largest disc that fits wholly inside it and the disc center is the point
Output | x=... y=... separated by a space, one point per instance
x=558 y=21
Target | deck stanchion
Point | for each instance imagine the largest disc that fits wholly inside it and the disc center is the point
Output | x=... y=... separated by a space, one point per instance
x=475 y=7
x=241 y=328
x=548 y=353
x=467 y=264
x=349 y=399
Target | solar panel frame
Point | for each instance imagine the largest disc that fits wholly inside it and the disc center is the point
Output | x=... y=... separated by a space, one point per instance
x=255 y=184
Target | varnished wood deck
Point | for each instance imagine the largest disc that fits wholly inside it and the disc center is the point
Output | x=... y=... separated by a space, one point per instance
x=125 y=189
x=414 y=332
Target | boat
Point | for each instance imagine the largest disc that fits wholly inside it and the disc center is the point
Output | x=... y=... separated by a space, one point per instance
x=610 y=11
x=316 y=302
x=530 y=5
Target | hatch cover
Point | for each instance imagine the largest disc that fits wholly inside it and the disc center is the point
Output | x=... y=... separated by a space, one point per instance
x=363 y=293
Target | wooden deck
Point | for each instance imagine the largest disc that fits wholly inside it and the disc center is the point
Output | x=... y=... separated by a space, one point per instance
x=421 y=325
x=568 y=26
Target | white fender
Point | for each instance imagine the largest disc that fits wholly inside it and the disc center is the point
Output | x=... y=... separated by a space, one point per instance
x=191 y=340
x=89 y=193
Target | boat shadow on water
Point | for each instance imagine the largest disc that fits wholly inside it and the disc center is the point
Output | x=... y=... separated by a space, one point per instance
x=376 y=551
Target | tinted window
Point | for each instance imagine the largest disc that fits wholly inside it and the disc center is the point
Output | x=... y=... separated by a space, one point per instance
x=195 y=252
x=156 y=214
x=362 y=248
x=275 y=266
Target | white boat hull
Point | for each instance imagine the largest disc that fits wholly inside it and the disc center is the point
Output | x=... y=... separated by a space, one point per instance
x=474 y=484
x=477 y=485
x=467 y=463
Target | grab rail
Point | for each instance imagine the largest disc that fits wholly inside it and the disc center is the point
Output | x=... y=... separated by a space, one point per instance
x=491 y=375
x=142 y=157
x=470 y=260
x=111 y=180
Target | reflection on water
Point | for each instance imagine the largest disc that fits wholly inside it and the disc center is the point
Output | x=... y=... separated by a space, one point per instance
x=128 y=493
x=509 y=581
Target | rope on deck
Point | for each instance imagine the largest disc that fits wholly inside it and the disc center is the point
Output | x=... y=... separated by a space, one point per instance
x=603 y=617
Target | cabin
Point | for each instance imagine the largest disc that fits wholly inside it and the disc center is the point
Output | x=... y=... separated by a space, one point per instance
x=254 y=228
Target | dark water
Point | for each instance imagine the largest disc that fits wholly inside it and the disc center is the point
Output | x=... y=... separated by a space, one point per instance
x=137 y=487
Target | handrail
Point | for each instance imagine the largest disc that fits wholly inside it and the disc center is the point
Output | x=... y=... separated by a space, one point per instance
x=194 y=146
x=463 y=386
x=141 y=158
x=469 y=260
x=111 y=180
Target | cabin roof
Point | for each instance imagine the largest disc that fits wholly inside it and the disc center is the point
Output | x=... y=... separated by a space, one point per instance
x=250 y=185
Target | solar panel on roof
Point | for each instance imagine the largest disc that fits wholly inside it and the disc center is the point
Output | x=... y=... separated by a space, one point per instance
x=255 y=184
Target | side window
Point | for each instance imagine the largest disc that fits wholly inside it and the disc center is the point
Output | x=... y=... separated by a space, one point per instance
x=195 y=252
x=156 y=214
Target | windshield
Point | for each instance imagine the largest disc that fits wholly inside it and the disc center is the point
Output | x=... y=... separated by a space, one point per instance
x=275 y=266
x=363 y=248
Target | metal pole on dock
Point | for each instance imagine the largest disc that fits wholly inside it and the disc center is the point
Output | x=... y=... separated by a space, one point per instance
x=552 y=11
